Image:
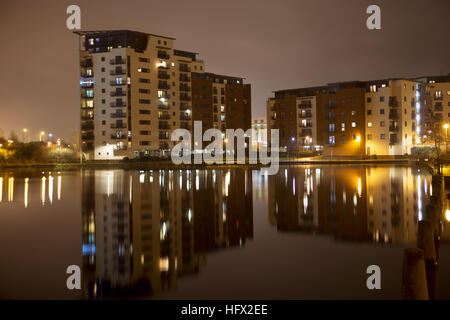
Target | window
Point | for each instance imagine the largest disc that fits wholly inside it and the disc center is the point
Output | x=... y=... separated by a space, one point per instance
x=406 y=123
x=222 y=117
x=343 y=127
x=103 y=122
x=331 y=127
x=381 y=123
x=144 y=122
x=144 y=101
x=353 y=124
x=144 y=133
x=369 y=112
x=343 y=139
x=141 y=111
x=369 y=137
x=222 y=108
x=141 y=59
x=369 y=99
x=369 y=124
x=103 y=111
x=91 y=41
x=103 y=59
x=144 y=70
x=331 y=140
x=381 y=98
x=353 y=112
x=103 y=133
x=373 y=88
x=382 y=136
x=103 y=69
x=381 y=111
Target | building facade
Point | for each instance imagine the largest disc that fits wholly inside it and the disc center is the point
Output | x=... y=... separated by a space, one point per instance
x=362 y=118
x=136 y=88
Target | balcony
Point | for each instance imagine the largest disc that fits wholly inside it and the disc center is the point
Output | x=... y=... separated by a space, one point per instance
x=163 y=106
x=163 y=125
x=185 y=68
x=87 y=126
x=184 y=107
x=118 y=115
x=86 y=63
x=305 y=105
x=164 y=116
x=117 y=72
x=118 y=83
x=393 y=102
x=118 y=135
x=393 y=139
x=118 y=126
x=87 y=136
x=163 y=75
x=118 y=94
x=119 y=103
x=185 y=88
x=305 y=115
x=185 y=117
x=184 y=78
x=185 y=97
x=185 y=125
x=117 y=61
x=306 y=132
x=163 y=135
x=87 y=117
x=393 y=128
x=437 y=97
x=393 y=115
x=163 y=85
x=438 y=106
x=330 y=106
x=305 y=125
x=163 y=55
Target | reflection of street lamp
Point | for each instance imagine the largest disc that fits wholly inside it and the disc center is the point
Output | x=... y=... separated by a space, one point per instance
x=446 y=137
x=40 y=135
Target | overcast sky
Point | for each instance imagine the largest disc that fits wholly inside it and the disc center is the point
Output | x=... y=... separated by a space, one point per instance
x=273 y=44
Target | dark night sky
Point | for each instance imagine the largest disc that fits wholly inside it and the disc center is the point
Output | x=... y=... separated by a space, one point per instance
x=274 y=44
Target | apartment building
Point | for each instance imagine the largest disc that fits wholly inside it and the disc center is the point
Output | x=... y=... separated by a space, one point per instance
x=293 y=112
x=136 y=88
x=393 y=120
x=358 y=118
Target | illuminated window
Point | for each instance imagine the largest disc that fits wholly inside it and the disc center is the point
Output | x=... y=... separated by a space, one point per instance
x=369 y=124
x=343 y=127
x=353 y=124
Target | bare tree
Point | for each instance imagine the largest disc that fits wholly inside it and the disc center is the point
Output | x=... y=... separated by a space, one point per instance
x=435 y=133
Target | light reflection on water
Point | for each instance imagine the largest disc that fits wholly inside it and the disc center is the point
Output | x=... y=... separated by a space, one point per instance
x=143 y=231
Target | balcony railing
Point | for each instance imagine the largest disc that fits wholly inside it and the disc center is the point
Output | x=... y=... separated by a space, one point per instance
x=185 y=98
x=163 y=55
x=305 y=115
x=185 y=117
x=305 y=105
x=162 y=75
x=185 y=78
x=184 y=107
x=118 y=115
x=185 y=88
x=163 y=85
x=305 y=133
x=163 y=136
x=117 y=61
x=118 y=104
x=393 y=102
x=88 y=136
x=163 y=107
x=184 y=68
x=117 y=72
x=118 y=94
x=87 y=118
x=87 y=127
x=393 y=115
x=393 y=128
x=118 y=136
x=164 y=116
x=163 y=126
x=118 y=126
x=115 y=83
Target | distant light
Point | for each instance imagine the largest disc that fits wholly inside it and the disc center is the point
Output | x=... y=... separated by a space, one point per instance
x=447 y=215
x=358 y=139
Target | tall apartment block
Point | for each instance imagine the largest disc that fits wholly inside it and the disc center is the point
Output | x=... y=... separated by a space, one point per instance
x=379 y=117
x=136 y=89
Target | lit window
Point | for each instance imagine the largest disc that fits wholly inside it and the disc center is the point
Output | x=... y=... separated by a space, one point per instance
x=369 y=124
x=91 y=41
x=331 y=140
x=343 y=127
x=222 y=108
x=353 y=124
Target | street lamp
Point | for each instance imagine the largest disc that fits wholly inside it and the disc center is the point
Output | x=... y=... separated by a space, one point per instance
x=446 y=137
x=24 y=132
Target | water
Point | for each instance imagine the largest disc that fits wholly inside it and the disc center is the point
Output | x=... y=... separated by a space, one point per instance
x=308 y=232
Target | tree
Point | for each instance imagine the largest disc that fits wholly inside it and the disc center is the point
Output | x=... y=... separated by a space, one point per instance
x=13 y=136
x=435 y=133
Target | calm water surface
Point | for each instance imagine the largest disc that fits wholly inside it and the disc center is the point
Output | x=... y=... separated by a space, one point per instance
x=307 y=232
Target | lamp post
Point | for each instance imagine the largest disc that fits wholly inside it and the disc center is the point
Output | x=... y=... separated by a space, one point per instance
x=446 y=137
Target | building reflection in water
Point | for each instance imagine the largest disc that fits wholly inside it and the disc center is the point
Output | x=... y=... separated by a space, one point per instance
x=141 y=230
x=379 y=204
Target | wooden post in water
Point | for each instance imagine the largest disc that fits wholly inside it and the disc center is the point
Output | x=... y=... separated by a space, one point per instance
x=426 y=242
x=414 y=279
